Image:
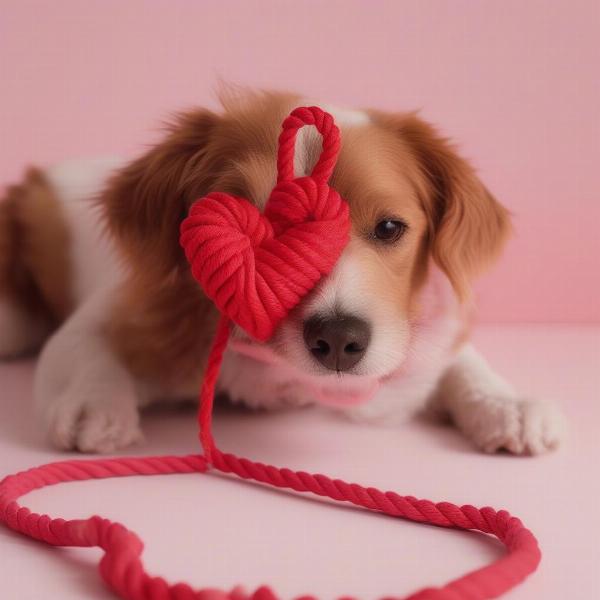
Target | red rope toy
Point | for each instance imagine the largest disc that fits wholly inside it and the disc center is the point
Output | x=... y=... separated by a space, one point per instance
x=256 y=268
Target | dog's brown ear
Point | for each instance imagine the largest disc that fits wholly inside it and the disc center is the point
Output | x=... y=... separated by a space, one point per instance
x=467 y=225
x=145 y=201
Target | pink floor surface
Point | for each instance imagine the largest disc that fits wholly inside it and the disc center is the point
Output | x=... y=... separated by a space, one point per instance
x=212 y=531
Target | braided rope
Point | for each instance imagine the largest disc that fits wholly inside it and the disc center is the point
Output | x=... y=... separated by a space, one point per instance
x=121 y=566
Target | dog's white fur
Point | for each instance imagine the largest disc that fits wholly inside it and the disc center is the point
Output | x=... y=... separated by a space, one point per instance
x=94 y=262
x=488 y=411
x=87 y=399
x=84 y=396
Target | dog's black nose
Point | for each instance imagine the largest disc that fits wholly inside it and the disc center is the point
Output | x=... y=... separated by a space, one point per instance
x=337 y=343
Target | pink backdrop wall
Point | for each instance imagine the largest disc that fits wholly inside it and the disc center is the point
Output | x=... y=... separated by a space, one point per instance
x=514 y=81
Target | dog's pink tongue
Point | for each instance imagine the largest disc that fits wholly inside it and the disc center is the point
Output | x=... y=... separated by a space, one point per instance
x=331 y=390
x=343 y=393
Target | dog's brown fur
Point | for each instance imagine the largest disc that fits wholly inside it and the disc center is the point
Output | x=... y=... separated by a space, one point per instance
x=34 y=242
x=467 y=226
x=163 y=322
x=162 y=317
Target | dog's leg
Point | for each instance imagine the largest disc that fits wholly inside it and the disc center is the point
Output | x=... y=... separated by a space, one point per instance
x=35 y=290
x=20 y=331
x=21 y=328
x=86 y=399
x=488 y=411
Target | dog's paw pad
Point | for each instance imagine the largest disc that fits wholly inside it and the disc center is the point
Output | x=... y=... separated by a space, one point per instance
x=543 y=427
x=93 y=426
x=105 y=431
x=528 y=427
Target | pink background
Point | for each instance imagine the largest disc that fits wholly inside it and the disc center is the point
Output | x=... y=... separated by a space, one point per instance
x=514 y=81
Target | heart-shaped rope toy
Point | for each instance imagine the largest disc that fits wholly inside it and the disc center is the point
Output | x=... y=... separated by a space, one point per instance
x=273 y=260
x=256 y=267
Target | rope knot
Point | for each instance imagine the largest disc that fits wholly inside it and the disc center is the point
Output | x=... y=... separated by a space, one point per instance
x=257 y=267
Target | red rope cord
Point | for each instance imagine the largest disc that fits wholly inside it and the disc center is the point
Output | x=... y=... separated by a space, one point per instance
x=121 y=566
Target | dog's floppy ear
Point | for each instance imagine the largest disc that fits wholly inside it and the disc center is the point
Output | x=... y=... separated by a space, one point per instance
x=145 y=201
x=467 y=225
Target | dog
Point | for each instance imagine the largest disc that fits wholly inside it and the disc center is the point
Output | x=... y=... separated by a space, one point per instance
x=91 y=272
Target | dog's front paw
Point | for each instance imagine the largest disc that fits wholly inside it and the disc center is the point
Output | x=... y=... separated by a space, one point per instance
x=86 y=420
x=520 y=426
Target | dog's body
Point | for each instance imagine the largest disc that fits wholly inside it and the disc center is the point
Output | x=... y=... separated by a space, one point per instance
x=384 y=334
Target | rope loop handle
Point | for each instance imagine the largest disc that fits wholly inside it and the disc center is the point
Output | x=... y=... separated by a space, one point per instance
x=325 y=125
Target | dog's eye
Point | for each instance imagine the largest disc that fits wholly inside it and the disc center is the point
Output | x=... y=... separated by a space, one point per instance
x=389 y=231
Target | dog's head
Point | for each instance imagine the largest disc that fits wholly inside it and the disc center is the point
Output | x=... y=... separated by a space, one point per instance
x=413 y=202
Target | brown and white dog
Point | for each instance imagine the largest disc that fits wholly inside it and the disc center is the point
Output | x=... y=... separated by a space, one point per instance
x=90 y=259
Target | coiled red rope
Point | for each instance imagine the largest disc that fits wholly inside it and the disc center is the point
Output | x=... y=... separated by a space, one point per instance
x=245 y=233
